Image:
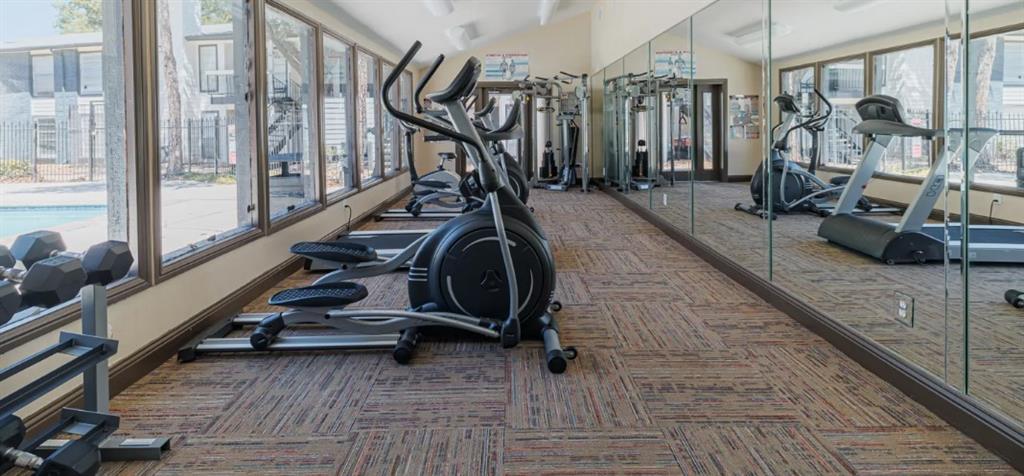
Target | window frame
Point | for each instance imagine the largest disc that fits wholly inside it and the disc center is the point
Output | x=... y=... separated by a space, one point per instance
x=32 y=75
x=200 y=69
x=400 y=164
x=396 y=153
x=313 y=207
x=813 y=66
x=373 y=180
x=81 y=80
x=331 y=198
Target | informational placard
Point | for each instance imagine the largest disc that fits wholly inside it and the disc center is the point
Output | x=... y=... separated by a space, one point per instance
x=744 y=117
x=506 y=66
x=674 y=64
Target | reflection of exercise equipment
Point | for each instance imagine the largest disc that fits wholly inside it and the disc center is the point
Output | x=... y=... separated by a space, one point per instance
x=793 y=188
x=911 y=240
x=641 y=167
x=565 y=109
x=1016 y=298
x=633 y=127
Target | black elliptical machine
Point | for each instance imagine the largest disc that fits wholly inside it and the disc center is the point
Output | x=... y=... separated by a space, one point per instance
x=795 y=189
x=486 y=273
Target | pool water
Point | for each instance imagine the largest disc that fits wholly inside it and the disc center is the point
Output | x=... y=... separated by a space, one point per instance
x=18 y=220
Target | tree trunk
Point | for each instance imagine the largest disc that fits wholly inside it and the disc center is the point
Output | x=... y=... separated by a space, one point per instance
x=172 y=128
x=983 y=80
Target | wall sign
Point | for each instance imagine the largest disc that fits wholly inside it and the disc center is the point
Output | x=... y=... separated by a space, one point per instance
x=674 y=63
x=506 y=66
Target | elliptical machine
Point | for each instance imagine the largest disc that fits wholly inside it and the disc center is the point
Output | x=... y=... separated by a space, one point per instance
x=795 y=189
x=489 y=272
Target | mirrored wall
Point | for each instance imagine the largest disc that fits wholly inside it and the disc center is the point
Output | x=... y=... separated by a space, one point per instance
x=826 y=147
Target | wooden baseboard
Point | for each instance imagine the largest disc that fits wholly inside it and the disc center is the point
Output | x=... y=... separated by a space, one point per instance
x=993 y=431
x=143 y=361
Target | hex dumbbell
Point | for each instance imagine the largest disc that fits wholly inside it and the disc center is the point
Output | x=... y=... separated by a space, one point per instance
x=10 y=301
x=46 y=283
x=104 y=262
x=1015 y=298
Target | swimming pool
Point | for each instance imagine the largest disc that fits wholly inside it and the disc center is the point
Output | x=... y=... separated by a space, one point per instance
x=18 y=220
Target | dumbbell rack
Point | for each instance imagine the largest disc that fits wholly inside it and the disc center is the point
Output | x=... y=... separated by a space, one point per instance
x=90 y=352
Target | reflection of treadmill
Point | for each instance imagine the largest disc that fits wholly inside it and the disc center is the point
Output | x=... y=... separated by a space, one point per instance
x=912 y=240
x=640 y=176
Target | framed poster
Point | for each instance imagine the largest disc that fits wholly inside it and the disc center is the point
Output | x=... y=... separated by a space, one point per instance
x=744 y=117
x=674 y=63
x=506 y=66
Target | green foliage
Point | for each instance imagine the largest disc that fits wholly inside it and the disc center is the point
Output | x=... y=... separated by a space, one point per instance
x=78 y=16
x=215 y=12
x=14 y=169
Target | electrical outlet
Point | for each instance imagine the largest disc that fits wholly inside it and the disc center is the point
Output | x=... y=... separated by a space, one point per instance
x=905 y=309
x=997 y=199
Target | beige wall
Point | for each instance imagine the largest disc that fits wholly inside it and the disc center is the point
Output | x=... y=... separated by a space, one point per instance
x=141 y=319
x=619 y=26
x=743 y=78
x=1012 y=208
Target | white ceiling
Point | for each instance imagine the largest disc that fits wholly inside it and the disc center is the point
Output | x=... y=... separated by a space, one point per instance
x=397 y=23
x=816 y=24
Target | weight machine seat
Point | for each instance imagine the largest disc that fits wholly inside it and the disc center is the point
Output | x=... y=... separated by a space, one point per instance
x=321 y=295
x=336 y=251
x=462 y=86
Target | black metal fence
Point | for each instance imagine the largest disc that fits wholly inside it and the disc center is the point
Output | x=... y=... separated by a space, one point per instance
x=52 y=150
x=204 y=147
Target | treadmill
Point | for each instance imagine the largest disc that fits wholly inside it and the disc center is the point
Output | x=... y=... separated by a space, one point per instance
x=912 y=240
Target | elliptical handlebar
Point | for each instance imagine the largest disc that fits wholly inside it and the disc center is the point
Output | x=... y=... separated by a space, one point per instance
x=423 y=82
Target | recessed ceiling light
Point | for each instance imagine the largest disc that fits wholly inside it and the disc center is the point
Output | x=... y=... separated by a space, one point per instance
x=754 y=32
x=847 y=6
x=459 y=37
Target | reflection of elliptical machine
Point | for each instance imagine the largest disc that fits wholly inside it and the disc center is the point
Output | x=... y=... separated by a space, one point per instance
x=795 y=189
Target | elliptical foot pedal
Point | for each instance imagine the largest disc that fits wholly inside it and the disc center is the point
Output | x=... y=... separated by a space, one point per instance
x=336 y=251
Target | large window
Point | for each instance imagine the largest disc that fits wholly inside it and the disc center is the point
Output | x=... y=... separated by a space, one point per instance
x=388 y=126
x=42 y=75
x=842 y=83
x=337 y=110
x=369 y=166
x=63 y=160
x=800 y=84
x=207 y=169
x=291 y=126
x=997 y=68
x=908 y=75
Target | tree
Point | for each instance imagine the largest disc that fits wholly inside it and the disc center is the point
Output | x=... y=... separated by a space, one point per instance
x=172 y=104
x=78 y=16
x=215 y=12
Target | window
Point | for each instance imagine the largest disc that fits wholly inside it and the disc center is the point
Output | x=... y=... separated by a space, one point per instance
x=209 y=82
x=996 y=70
x=207 y=167
x=800 y=84
x=90 y=69
x=42 y=75
x=405 y=93
x=843 y=83
x=291 y=127
x=388 y=126
x=908 y=75
x=68 y=171
x=337 y=110
x=369 y=166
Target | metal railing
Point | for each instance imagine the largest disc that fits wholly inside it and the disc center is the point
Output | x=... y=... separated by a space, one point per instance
x=53 y=150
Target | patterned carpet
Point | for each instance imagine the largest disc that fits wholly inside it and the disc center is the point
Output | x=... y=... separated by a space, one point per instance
x=681 y=371
x=861 y=292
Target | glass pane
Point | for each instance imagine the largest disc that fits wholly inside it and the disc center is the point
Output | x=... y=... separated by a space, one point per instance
x=63 y=160
x=908 y=75
x=368 y=113
x=388 y=129
x=337 y=119
x=290 y=113
x=843 y=84
x=405 y=104
x=800 y=84
x=994 y=174
x=673 y=67
x=207 y=175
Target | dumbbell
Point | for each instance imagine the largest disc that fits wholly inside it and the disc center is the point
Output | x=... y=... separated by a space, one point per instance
x=104 y=262
x=10 y=301
x=1016 y=298
x=46 y=283
x=75 y=458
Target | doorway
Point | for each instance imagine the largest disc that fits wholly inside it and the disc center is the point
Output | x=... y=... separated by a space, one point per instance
x=693 y=151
